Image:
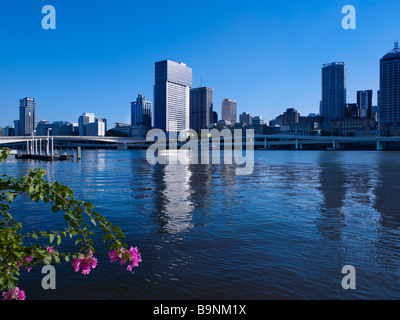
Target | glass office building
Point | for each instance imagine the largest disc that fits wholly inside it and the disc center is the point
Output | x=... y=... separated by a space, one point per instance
x=201 y=108
x=172 y=96
x=389 y=92
x=141 y=112
x=364 y=103
x=333 y=104
x=27 y=117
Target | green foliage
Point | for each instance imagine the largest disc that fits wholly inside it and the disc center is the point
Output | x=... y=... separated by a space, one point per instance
x=19 y=250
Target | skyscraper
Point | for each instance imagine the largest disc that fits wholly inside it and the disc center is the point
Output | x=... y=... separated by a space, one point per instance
x=229 y=110
x=27 y=117
x=141 y=112
x=172 y=96
x=389 y=92
x=201 y=108
x=333 y=104
x=364 y=103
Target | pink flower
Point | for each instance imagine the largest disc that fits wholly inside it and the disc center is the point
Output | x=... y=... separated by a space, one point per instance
x=28 y=258
x=51 y=250
x=113 y=256
x=132 y=255
x=84 y=263
x=14 y=294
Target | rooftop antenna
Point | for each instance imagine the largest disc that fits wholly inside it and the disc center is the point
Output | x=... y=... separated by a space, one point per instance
x=396 y=46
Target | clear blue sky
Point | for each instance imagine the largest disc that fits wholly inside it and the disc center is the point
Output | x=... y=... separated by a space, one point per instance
x=265 y=54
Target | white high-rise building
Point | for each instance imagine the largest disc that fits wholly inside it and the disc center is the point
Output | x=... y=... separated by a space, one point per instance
x=84 y=119
x=90 y=125
x=97 y=128
x=172 y=96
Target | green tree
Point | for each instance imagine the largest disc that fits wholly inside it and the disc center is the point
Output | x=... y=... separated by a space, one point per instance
x=26 y=250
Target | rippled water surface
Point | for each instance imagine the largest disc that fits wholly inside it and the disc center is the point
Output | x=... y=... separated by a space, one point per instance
x=284 y=232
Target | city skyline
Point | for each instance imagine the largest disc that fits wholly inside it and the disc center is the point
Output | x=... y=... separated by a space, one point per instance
x=66 y=85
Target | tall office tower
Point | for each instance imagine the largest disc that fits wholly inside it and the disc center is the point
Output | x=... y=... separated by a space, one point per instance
x=389 y=92
x=245 y=119
x=229 y=110
x=364 y=103
x=201 y=108
x=84 y=119
x=172 y=96
x=333 y=104
x=141 y=112
x=27 y=117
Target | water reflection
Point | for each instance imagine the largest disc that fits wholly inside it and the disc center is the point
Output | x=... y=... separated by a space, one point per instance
x=332 y=180
x=201 y=185
x=387 y=203
x=172 y=197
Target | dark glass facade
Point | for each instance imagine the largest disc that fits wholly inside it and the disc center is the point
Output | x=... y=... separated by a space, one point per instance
x=389 y=93
x=27 y=117
x=333 y=104
x=141 y=113
x=201 y=108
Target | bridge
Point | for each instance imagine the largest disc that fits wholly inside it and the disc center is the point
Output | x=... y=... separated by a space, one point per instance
x=261 y=141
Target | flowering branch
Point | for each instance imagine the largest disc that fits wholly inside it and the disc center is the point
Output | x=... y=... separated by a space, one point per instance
x=14 y=254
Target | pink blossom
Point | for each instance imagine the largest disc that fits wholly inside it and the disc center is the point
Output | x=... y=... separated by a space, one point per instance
x=14 y=294
x=132 y=255
x=84 y=263
x=29 y=258
x=113 y=256
x=51 y=250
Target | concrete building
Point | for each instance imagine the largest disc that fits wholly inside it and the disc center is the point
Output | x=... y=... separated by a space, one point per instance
x=229 y=110
x=96 y=128
x=90 y=125
x=57 y=128
x=291 y=116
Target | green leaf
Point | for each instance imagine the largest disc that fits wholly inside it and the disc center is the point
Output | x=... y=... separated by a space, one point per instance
x=51 y=238
x=88 y=205
x=55 y=209
x=58 y=240
x=47 y=260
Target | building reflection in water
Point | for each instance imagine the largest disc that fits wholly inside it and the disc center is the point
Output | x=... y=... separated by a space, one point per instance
x=332 y=180
x=172 y=196
x=387 y=203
